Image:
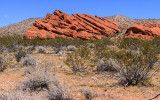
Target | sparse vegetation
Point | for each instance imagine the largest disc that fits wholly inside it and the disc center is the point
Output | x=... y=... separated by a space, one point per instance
x=41 y=49
x=3 y=97
x=80 y=60
x=89 y=95
x=71 y=48
x=131 y=61
x=39 y=78
x=21 y=54
x=29 y=60
x=3 y=63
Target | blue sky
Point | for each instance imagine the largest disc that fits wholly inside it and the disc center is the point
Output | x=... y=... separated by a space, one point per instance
x=13 y=11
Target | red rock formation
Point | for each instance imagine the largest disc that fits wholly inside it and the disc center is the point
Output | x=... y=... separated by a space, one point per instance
x=76 y=26
x=143 y=31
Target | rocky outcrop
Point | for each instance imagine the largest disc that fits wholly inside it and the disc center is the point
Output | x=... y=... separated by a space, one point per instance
x=143 y=31
x=81 y=26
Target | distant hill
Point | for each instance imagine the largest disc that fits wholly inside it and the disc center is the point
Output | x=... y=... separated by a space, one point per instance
x=18 y=28
x=125 y=22
x=147 y=20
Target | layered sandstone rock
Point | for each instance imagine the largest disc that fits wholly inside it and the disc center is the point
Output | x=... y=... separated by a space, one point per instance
x=143 y=31
x=82 y=26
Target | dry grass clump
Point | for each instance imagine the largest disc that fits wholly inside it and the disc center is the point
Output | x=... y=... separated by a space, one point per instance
x=91 y=45
x=41 y=78
x=60 y=50
x=41 y=49
x=58 y=94
x=105 y=66
x=71 y=48
x=29 y=60
x=89 y=95
x=3 y=63
x=3 y=97
x=29 y=49
x=21 y=54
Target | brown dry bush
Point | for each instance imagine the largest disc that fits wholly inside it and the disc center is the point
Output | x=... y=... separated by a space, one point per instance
x=89 y=95
x=41 y=78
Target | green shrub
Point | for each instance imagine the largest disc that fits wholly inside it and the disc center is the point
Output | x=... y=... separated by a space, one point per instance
x=80 y=60
x=21 y=54
x=134 y=60
x=3 y=63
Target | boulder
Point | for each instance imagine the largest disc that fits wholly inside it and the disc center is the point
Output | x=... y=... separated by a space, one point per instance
x=143 y=31
x=81 y=26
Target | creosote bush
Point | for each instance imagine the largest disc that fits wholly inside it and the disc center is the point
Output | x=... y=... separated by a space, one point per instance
x=80 y=60
x=105 y=66
x=133 y=60
x=21 y=53
x=3 y=63
x=29 y=60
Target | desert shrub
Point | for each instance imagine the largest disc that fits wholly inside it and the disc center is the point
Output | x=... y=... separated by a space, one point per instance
x=59 y=94
x=101 y=47
x=14 y=48
x=145 y=46
x=80 y=60
x=21 y=53
x=91 y=45
x=89 y=95
x=41 y=49
x=2 y=49
x=41 y=78
x=105 y=66
x=133 y=75
x=3 y=63
x=60 y=49
x=29 y=60
x=10 y=41
x=71 y=48
x=134 y=67
x=29 y=49
x=3 y=97
x=147 y=49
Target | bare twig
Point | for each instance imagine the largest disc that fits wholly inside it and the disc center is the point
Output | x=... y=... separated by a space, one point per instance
x=155 y=97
